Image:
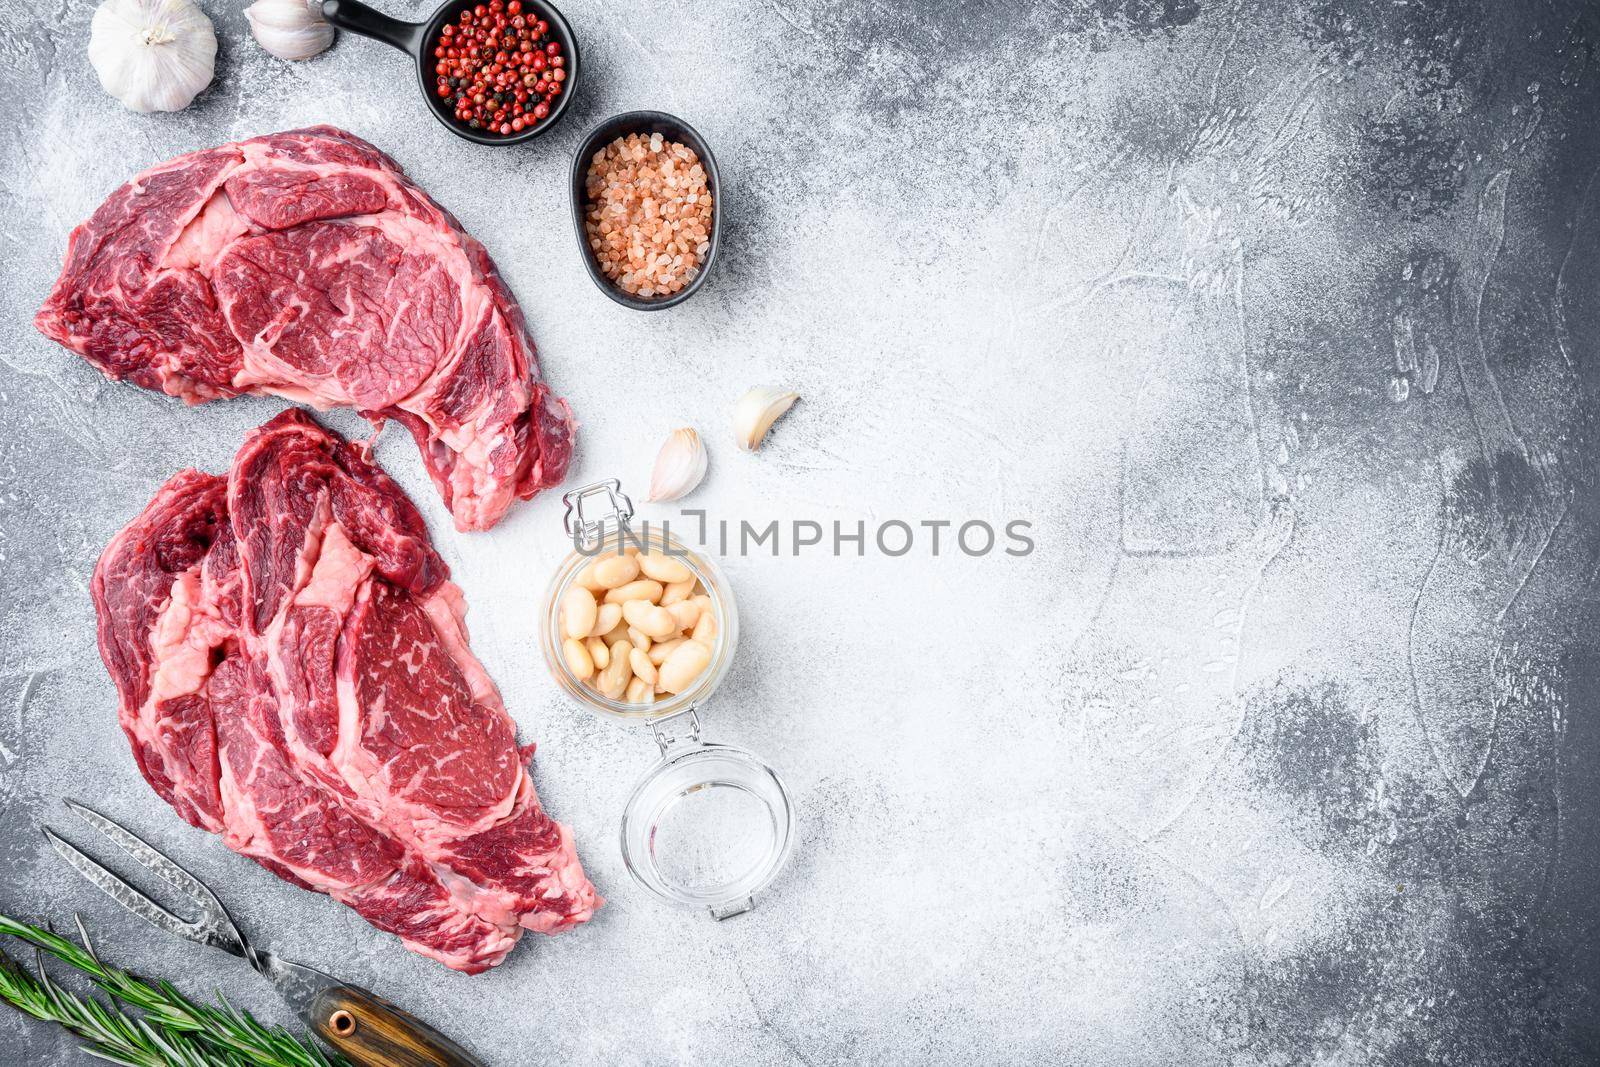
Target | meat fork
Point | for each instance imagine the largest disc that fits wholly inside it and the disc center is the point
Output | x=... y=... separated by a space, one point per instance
x=362 y=1026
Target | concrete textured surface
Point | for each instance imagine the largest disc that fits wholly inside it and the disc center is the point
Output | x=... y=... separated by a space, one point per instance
x=1280 y=321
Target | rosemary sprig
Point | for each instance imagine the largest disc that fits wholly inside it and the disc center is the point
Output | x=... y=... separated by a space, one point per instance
x=225 y=1035
x=109 y=1033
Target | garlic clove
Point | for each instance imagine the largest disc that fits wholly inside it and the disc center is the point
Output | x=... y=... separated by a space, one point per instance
x=290 y=29
x=755 y=413
x=680 y=466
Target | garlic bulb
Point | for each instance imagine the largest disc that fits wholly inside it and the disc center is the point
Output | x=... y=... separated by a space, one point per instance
x=290 y=29
x=755 y=413
x=680 y=466
x=153 y=55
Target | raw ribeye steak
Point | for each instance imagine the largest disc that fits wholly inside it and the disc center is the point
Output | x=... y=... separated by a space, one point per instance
x=307 y=266
x=293 y=672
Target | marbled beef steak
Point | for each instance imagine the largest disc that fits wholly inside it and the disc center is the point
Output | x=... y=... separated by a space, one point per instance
x=306 y=265
x=293 y=670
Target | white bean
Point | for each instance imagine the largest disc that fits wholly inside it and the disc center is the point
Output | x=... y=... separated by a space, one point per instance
x=639 y=692
x=660 y=651
x=663 y=568
x=599 y=652
x=616 y=570
x=615 y=678
x=577 y=657
x=677 y=591
x=586 y=579
x=606 y=618
x=644 y=589
x=578 y=611
x=639 y=639
x=685 y=613
x=642 y=667
x=686 y=663
x=649 y=619
x=705 y=631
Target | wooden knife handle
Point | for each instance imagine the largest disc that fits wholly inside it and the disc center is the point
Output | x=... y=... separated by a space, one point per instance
x=371 y=1032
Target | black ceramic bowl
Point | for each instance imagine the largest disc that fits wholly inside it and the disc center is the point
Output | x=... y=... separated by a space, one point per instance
x=673 y=129
x=418 y=40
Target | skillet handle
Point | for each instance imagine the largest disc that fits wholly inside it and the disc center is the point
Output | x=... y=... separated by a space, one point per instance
x=357 y=17
x=371 y=1032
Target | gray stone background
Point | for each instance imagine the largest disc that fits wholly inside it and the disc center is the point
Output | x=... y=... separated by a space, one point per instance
x=1281 y=323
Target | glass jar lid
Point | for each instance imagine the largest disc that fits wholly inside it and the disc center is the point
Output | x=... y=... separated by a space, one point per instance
x=709 y=825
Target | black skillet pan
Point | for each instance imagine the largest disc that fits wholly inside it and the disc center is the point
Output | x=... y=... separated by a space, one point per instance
x=417 y=39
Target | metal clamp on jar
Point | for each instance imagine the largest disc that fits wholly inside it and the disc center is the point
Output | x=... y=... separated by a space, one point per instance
x=709 y=825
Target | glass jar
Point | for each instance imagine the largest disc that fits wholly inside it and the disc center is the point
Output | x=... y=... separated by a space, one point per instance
x=614 y=538
x=708 y=825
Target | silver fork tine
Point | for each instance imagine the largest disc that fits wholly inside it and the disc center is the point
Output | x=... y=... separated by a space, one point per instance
x=214 y=927
x=158 y=862
x=118 y=890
